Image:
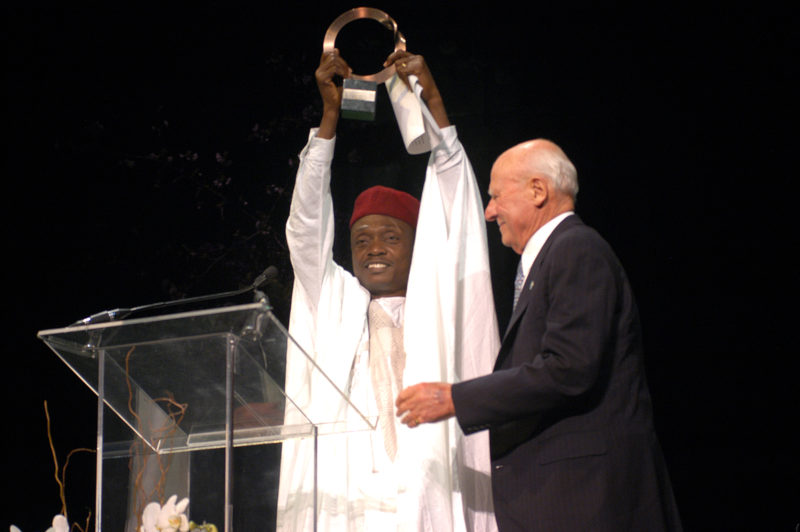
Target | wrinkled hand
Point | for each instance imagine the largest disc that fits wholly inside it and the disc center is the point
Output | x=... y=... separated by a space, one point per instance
x=407 y=64
x=426 y=402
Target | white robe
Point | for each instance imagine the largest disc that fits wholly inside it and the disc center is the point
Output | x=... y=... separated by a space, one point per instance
x=440 y=480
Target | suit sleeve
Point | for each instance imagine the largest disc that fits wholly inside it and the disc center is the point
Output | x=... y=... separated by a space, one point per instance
x=578 y=282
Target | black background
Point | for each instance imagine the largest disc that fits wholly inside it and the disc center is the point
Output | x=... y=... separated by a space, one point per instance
x=151 y=152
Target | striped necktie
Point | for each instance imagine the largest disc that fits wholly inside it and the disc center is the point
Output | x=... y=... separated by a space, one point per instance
x=519 y=280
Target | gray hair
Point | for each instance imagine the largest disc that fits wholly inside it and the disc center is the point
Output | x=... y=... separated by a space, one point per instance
x=555 y=164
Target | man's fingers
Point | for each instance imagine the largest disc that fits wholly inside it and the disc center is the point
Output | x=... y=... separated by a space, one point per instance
x=395 y=56
x=332 y=63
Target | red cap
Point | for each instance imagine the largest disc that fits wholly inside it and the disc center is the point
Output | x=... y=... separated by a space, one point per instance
x=388 y=201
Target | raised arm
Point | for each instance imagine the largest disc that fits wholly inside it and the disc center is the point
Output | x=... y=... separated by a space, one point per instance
x=331 y=68
x=408 y=64
x=309 y=229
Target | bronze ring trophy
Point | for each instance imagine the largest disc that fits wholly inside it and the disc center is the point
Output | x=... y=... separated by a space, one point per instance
x=359 y=91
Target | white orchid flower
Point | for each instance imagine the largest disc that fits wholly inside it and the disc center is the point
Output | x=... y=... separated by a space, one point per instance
x=173 y=518
x=167 y=518
x=60 y=524
x=150 y=517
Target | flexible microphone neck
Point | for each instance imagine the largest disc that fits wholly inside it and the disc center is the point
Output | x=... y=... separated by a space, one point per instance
x=121 y=313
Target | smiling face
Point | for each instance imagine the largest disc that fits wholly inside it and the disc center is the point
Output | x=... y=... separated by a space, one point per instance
x=523 y=196
x=381 y=246
x=511 y=205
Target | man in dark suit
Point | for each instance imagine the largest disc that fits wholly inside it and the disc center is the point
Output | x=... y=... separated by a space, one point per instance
x=567 y=405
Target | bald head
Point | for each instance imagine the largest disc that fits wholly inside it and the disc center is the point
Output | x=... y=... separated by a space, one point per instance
x=531 y=183
x=542 y=156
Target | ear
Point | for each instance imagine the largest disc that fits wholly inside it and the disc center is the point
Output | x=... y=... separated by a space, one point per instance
x=539 y=190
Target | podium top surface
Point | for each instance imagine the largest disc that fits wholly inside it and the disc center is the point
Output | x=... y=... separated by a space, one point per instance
x=186 y=380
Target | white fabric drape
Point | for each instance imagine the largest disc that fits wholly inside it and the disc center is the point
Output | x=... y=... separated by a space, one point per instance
x=450 y=319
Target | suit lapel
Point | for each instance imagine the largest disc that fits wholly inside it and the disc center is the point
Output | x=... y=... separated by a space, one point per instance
x=530 y=281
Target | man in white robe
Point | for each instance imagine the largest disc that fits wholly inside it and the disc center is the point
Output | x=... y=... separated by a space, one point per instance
x=440 y=311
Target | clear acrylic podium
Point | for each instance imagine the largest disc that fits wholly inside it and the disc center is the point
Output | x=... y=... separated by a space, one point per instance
x=193 y=404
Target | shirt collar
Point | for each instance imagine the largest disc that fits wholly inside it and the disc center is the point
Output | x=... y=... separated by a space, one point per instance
x=535 y=242
x=395 y=308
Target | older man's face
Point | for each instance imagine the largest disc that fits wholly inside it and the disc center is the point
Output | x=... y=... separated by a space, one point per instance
x=381 y=246
x=511 y=206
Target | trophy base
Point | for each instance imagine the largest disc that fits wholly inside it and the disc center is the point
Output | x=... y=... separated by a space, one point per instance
x=358 y=99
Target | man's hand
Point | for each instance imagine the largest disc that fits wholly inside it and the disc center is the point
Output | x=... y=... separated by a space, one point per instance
x=426 y=402
x=407 y=64
x=330 y=64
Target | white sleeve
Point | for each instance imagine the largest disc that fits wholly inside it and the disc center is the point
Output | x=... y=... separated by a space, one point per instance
x=450 y=319
x=310 y=227
x=450 y=166
x=450 y=274
x=328 y=304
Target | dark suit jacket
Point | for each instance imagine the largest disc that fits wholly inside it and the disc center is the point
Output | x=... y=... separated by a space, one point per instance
x=567 y=406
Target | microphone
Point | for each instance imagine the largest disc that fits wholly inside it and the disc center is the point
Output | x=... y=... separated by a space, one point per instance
x=103 y=316
x=267 y=275
x=270 y=273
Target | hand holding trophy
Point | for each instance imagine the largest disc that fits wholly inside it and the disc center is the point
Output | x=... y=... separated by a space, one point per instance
x=358 y=93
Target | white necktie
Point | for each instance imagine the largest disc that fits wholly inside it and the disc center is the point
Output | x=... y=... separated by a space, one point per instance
x=387 y=361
